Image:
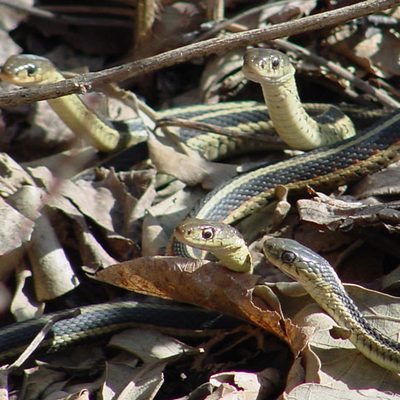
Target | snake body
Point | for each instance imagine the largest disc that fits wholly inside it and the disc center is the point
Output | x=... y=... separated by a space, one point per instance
x=243 y=117
x=30 y=70
x=334 y=164
x=100 y=320
x=339 y=163
x=308 y=268
x=274 y=72
x=320 y=280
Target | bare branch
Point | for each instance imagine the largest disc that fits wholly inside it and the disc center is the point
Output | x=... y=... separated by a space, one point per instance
x=86 y=82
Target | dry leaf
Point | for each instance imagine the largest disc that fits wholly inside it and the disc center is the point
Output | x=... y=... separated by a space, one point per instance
x=293 y=10
x=311 y=391
x=125 y=383
x=191 y=169
x=242 y=385
x=205 y=284
x=382 y=183
x=342 y=366
x=15 y=229
x=335 y=214
x=150 y=346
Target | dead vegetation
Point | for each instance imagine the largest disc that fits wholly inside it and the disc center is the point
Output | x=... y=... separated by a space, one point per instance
x=67 y=210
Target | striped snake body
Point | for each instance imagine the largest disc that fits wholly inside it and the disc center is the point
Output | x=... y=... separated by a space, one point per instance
x=334 y=164
x=319 y=279
x=241 y=117
x=274 y=72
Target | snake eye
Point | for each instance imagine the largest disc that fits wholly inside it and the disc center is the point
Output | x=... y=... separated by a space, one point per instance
x=30 y=69
x=275 y=62
x=288 y=257
x=207 y=233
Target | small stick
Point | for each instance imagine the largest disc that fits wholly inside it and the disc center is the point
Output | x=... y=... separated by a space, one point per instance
x=87 y=82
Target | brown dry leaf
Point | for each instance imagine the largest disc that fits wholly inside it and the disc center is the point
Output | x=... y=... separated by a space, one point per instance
x=91 y=199
x=163 y=217
x=293 y=10
x=16 y=229
x=91 y=251
x=52 y=272
x=9 y=20
x=313 y=391
x=107 y=203
x=22 y=307
x=222 y=76
x=171 y=29
x=381 y=50
x=12 y=176
x=150 y=346
x=81 y=361
x=63 y=395
x=154 y=237
x=38 y=379
x=125 y=383
x=336 y=214
x=381 y=183
x=242 y=385
x=66 y=164
x=246 y=385
x=46 y=132
x=204 y=284
x=391 y=281
x=375 y=49
x=321 y=240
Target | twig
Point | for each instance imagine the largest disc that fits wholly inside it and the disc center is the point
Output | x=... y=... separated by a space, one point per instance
x=271 y=139
x=86 y=82
x=41 y=335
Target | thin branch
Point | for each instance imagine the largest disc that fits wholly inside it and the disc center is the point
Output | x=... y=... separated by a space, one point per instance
x=88 y=81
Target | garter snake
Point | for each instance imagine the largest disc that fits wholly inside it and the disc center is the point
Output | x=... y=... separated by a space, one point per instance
x=308 y=268
x=247 y=116
x=239 y=197
x=335 y=164
x=275 y=73
x=332 y=165
x=319 y=279
x=99 y=320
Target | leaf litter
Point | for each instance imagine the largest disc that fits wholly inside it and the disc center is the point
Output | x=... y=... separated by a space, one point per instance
x=99 y=217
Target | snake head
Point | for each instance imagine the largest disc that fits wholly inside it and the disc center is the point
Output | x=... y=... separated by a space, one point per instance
x=296 y=260
x=267 y=66
x=207 y=235
x=27 y=69
x=221 y=240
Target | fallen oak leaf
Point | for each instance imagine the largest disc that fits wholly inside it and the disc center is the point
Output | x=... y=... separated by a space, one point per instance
x=205 y=284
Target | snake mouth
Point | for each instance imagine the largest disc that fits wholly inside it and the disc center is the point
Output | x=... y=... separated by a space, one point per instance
x=255 y=75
